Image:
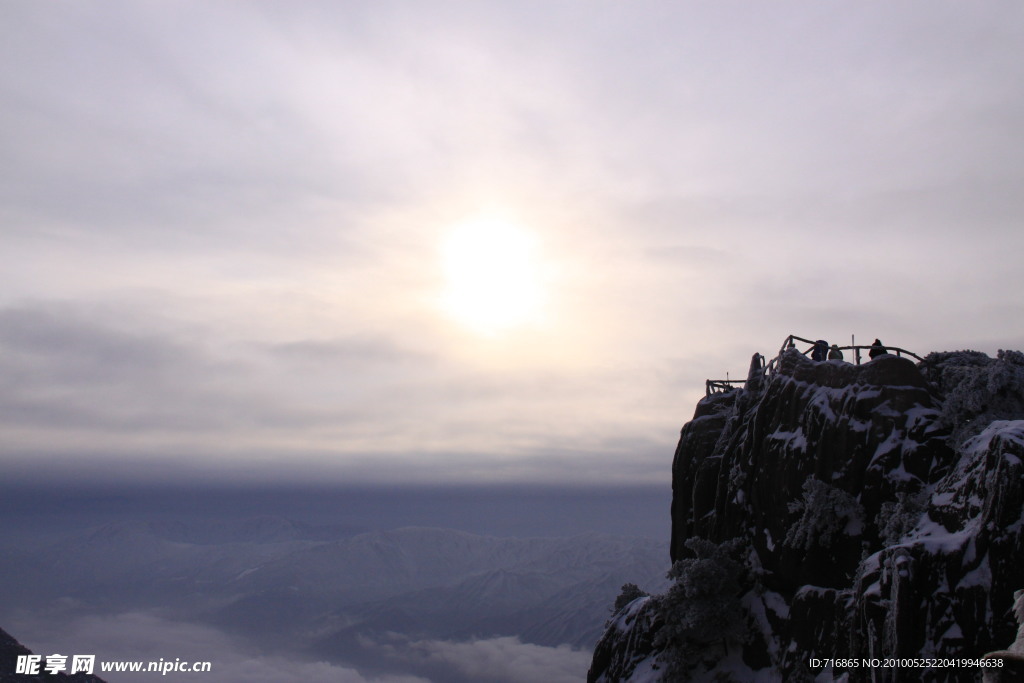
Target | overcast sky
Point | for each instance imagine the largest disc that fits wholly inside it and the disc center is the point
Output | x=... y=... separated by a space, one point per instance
x=230 y=231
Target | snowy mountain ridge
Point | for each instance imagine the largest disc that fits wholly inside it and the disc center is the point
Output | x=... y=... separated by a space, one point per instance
x=272 y=582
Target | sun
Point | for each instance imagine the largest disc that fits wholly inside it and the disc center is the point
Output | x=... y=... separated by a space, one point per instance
x=492 y=275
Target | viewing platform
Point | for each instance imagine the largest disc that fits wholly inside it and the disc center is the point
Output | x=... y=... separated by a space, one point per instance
x=720 y=386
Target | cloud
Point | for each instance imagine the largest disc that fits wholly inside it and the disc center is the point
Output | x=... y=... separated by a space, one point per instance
x=141 y=636
x=144 y=636
x=498 y=660
x=238 y=208
x=110 y=382
x=120 y=369
x=280 y=670
x=70 y=367
x=352 y=350
x=58 y=342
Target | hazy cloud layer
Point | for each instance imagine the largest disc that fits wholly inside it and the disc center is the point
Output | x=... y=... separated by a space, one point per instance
x=144 y=637
x=502 y=660
x=131 y=394
x=222 y=224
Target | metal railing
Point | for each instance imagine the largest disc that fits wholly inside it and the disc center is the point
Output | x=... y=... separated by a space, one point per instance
x=720 y=386
x=856 y=348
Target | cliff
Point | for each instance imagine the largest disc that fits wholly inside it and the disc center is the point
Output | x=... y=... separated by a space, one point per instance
x=835 y=511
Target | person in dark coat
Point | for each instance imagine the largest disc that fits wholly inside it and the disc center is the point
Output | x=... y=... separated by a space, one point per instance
x=877 y=350
x=819 y=351
x=834 y=353
x=755 y=376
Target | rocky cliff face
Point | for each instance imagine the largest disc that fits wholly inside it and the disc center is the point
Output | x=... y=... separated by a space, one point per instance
x=866 y=511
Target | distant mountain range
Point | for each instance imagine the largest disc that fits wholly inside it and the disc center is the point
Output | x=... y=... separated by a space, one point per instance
x=290 y=587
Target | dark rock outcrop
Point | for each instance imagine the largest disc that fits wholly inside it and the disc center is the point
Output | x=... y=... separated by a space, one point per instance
x=870 y=532
x=628 y=640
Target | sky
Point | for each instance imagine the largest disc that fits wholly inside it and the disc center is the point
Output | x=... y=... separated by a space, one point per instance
x=477 y=242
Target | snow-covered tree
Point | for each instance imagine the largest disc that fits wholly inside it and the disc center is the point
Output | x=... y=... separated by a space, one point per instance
x=825 y=513
x=978 y=389
x=702 y=608
x=895 y=519
x=629 y=593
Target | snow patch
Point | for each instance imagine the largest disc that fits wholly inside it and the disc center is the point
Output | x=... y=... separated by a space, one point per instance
x=796 y=440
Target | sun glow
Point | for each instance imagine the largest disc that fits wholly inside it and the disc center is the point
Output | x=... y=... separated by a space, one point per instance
x=493 y=279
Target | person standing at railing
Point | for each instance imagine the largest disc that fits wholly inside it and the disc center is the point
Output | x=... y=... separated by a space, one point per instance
x=819 y=351
x=877 y=349
x=834 y=353
x=755 y=376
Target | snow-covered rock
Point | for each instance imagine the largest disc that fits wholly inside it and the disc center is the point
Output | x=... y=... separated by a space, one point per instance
x=880 y=509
